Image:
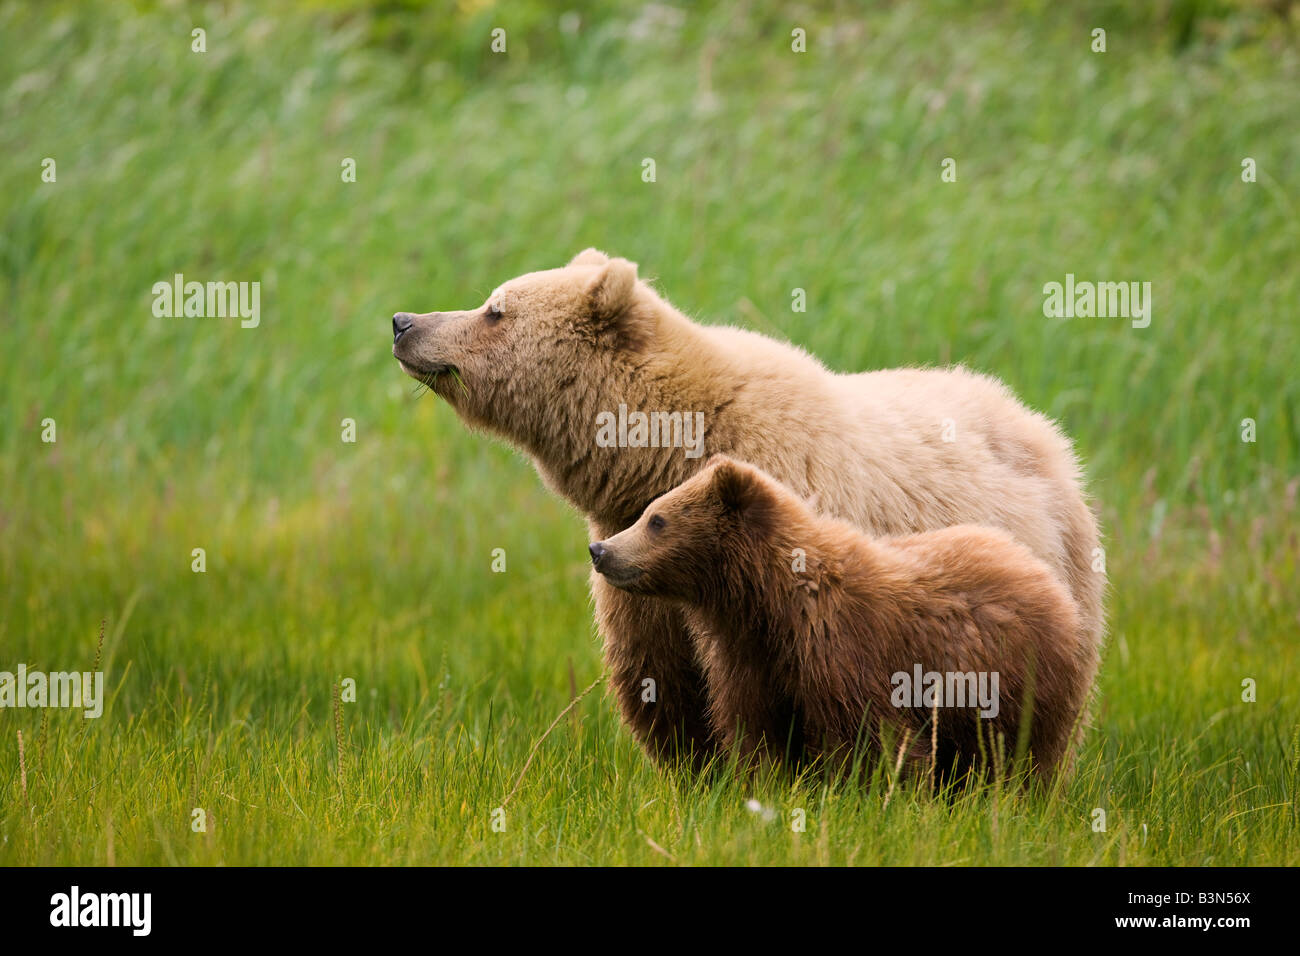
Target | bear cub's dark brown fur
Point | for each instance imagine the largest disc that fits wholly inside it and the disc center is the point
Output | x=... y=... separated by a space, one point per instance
x=812 y=634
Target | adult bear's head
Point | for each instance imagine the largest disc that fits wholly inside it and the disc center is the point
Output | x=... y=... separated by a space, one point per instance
x=542 y=348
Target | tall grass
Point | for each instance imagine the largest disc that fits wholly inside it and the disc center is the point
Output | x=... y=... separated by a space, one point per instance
x=371 y=561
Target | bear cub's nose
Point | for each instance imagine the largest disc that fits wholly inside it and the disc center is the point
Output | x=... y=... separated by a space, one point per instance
x=597 y=552
x=401 y=322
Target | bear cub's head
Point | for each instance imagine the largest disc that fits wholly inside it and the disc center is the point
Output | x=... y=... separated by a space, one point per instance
x=691 y=541
x=498 y=365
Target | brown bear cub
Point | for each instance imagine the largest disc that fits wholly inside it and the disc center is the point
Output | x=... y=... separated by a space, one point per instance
x=816 y=637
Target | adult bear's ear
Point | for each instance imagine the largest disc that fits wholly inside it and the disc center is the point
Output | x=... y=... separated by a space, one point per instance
x=737 y=486
x=610 y=290
x=589 y=257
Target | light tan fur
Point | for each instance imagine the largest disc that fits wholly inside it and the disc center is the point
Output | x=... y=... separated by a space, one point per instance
x=868 y=448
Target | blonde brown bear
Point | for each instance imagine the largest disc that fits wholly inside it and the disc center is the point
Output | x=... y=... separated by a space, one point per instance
x=957 y=643
x=552 y=358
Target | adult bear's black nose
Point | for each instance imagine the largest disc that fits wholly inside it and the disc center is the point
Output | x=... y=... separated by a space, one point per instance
x=597 y=550
x=401 y=322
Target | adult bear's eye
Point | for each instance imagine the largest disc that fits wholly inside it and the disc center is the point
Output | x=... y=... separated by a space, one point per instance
x=656 y=523
x=493 y=313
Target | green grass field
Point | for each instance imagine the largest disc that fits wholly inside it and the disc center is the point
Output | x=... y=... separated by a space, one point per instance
x=371 y=560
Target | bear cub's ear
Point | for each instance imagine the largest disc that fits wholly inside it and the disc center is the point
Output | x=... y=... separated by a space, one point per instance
x=589 y=257
x=610 y=291
x=736 y=485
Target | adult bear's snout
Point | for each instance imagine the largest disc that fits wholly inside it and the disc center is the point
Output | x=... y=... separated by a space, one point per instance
x=402 y=321
x=598 y=551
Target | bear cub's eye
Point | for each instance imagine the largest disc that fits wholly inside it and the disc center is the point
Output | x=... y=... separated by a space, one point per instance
x=656 y=523
x=493 y=312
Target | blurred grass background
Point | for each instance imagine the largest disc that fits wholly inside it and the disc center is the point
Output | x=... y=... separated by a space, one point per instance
x=775 y=170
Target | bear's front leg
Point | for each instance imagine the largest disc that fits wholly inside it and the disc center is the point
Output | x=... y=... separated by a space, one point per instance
x=751 y=709
x=654 y=674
